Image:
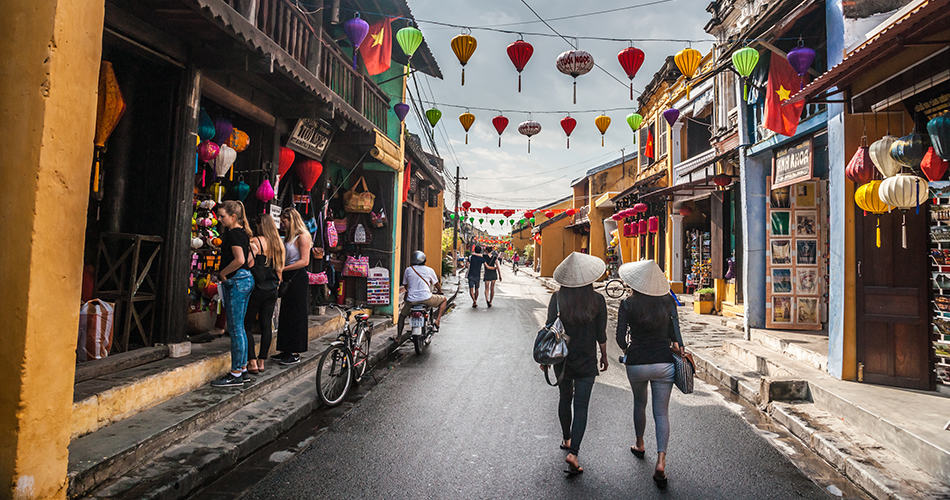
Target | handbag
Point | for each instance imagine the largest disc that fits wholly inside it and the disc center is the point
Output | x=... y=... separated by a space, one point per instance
x=684 y=370
x=378 y=220
x=265 y=277
x=550 y=346
x=356 y=267
x=317 y=278
x=359 y=235
x=360 y=202
x=333 y=239
x=318 y=253
x=340 y=225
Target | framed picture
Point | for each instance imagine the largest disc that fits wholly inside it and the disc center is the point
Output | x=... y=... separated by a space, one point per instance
x=806 y=281
x=807 y=309
x=806 y=223
x=806 y=252
x=781 y=252
x=781 y=223
x=805 y=195
x=781 y=280
x=781 y=309
x=780 y=198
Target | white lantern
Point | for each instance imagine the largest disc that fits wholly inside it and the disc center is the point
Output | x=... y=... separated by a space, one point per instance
x=224 y=160
x=904 y=191
x=880 y=151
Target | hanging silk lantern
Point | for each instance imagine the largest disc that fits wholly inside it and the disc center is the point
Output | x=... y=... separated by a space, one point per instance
x=860 y=169
x=933 y=166
x=466 y=119
x=634 y=120
x=205 y=126
x=466 y=205
x=285 y=160
x=653 y=224
x=529 y=128
x=744 y=61
x=939 y=130
x=222 y=130
x=881 y=156
x=491 y=221
x=800 y=58
x=356 y=30
x=602 y=122
x=628 y=230
x=570 y=212
x=549 y=214
x=634 y=229
x=671 y=115
x=500 y=123
x=904 y=191
x=409 y=39
x=687 y=60
x=643 y=226
x=239 y=140
x=224 y=160
x=616 y=217
x=575 y=63
x=481 y=221
x=909 y=150
x=722 y=180
x=640 y=208
x=568 y=124
x=217 y=191
x=242 y=190
x=631 y=58
x=520 y=52
x=265 y=192
x=433 y=115
x=531 y=220
x=309 y=172
x=109 y=110
x=401 y=109
x=463 y=46
x=207 y=150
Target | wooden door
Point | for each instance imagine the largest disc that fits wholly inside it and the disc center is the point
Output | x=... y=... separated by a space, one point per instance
x=893 y=289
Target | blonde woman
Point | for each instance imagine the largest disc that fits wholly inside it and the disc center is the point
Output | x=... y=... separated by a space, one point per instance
x=236 y=286
x=268 y=253
x=292 y=325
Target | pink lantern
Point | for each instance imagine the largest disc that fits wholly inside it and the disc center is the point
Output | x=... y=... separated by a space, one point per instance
x=627 y=231
x=265 y=193
x=207 y=150
x=616 y=216
x=643 y=226
x=653 y=224
x=640 y=208
x=634 y=229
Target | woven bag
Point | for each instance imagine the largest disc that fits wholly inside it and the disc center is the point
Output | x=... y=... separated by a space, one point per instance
x=360 y=202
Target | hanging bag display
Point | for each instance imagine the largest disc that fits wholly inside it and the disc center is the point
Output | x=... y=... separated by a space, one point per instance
x=317 y=278
x=333 y=239
x=359 y=235
x=340 y=225
x=378 y=220
x=356 y=267
x=360 y=202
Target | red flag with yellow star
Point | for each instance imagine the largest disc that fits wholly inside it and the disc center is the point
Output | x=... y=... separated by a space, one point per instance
x=783 y=82
x=377 y=48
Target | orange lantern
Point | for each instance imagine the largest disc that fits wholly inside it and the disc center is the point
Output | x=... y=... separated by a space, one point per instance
x=464 y=46
x=602 y=122
x=109 y=111
x=466 y=119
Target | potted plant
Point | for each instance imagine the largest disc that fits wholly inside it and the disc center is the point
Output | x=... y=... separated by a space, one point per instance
x=703 y=300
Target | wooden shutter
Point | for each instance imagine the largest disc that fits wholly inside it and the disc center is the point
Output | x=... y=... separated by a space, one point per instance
x=716 y=222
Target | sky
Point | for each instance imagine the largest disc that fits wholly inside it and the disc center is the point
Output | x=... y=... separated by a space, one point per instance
x=509 y=177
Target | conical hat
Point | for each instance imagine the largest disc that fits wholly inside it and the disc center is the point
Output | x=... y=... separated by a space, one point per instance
x=579 y=269
x=646 y=277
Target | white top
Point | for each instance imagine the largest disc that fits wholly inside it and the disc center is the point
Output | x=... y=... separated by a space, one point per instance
x=419 y=286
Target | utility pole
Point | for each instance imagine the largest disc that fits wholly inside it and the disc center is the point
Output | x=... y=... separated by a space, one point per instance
x=455 y=231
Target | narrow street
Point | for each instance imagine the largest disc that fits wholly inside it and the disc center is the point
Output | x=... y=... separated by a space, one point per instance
x=473 y=418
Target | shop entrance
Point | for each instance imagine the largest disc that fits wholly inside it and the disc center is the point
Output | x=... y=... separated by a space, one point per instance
x=892 y=300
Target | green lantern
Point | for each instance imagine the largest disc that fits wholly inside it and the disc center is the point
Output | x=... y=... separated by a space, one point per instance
x=481 y=221
x=492 y=222
x=433 y=115
x=744 y=61
x=409 y=39
x=522 y=221
x=531 y=220
x=452 y=216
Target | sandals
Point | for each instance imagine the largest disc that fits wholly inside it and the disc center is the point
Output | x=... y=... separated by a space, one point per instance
x=638 y=453
x=564 y=446
x=659 y=477
x=573 y=470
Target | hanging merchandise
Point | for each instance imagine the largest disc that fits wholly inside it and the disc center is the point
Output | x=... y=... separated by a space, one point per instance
x=631 y=58
x=239 y=140
x=464 y=46
x=224 y=160
x=356 y=30
x=575 y=63
x=217 y=191
x=933 y=166
x=529 y=128
x=939 y=130
x=308 y=171
x=860 y=169
x=466 y=119
x=433 y=115
x=409 y=39
x=643 y=226
x=500 y=123
x=285 y=160
x=602 y=122
x=242 y=190
x=359 y=235
x=800 y=58
x=634 y=120
x=640 y=208
x=568 y=124
x=360 y=202
x=265 y=193
x=520 y=52
x=722 y=180
x=744 y=61
x=356 y=267
x=909 y=150
x=205 y=126
x=671 y=115
x=109 y=110
x=881 y=156
x=377 y=286
x=207 y=151
x=222 y=130
x=904 y=191
x=687 y=60
x=333 y=237
x=466 y=205
x=401 y=109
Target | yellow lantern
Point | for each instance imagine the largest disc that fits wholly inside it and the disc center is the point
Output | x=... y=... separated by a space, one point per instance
x=868 y=198
x=466 y=119
x=602 y=122
x=109 y=111
x=687 y=60
x=464 y=46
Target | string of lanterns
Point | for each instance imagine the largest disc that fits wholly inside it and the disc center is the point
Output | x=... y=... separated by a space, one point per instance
x=528 y=216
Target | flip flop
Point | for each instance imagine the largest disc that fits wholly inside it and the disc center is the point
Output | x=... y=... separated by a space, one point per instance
x=638 y=453
x=660 y=479
x=564 y=447
x=574 y=471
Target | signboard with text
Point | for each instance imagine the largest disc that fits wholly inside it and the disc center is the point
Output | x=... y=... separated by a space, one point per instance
x=310 y=137
x=793 y=165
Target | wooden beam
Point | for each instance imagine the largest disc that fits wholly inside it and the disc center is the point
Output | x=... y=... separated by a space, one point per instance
x=220 y=94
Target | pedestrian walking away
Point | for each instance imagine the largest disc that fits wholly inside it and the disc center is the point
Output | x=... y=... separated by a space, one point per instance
x=583 y=312
x=648 y=333
x=421 y=284
x=236 y=286
x=492 y=274
x=267 y=251
x=475 y=263
x=292 y=324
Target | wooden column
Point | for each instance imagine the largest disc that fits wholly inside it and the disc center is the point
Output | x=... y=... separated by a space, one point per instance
x=716 y=234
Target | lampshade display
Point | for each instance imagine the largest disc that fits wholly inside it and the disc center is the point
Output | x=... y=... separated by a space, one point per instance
x=881 y=156
x=224 y=160
x=860 y=169
x=285 y=160
x=239 y=140
x=904 y=191
x=867 y=197
x=308 y=172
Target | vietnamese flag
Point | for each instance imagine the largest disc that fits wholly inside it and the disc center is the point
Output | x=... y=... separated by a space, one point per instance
x=648 y=150
x=406 y=181
x=780 y=117
x=377 y=48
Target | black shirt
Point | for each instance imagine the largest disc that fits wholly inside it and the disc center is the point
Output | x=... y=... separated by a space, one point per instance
x=236 y=237
x=648 y=343
x=475 y=265
x=582 y=347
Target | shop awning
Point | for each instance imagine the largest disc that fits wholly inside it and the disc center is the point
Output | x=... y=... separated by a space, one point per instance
x=638 y=186
x=906 y=28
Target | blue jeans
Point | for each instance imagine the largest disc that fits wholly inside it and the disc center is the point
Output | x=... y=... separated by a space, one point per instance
x=236 y=293
x=660 y=378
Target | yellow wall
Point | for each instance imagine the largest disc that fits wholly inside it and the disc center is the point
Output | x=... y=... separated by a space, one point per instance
x=556 y=244
x=49 y=56
x=432 y=230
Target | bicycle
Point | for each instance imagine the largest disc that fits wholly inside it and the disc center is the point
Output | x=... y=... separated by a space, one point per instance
x=616 y=288
x=344 y=363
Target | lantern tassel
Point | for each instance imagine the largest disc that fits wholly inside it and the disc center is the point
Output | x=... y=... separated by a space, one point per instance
x=687 y=91
x=917 y=197
x=745 y=89
x=355 y=53
x=231 y=173
x=904 y=230
x=203 y=174
x=601 y=141
x=519 y=82
x=575 y=91
x=466 y=137
x=499 y=141
x=568 y=142
x=529 y=145
x=95 y=177
x=463 y=76
x=878 y=228
x=631 y=90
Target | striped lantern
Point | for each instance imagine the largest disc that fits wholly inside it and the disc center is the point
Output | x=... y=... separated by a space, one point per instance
x=867 y=198
x=904 y=191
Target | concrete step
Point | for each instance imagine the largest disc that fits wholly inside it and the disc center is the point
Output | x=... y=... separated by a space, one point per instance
x=809 y=348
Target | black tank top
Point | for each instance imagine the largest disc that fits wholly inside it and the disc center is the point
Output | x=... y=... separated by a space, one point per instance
x=265 y=276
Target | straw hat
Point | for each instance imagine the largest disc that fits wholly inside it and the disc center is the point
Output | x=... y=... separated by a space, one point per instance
x=579 y=269
x=645 y=277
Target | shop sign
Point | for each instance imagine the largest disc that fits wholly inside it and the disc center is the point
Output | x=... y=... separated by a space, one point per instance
x=275 y=212
x=310 y=137
x=793 y=165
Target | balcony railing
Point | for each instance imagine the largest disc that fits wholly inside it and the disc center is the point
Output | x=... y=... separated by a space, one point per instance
x=336 y=71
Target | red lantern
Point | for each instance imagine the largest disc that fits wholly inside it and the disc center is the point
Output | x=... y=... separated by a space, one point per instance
x=466 y=205
x=631 y=58
x=519 y=53
x=529 y=214
x=653 y=224
x=570 y=212
x=617 y=217
x=643 y=226
x=549 y=214
x=640 y=208
x=568 y=124
x=722 y=180
x=285 y=161
x=686 y=210
x=627 y=230
x=861 y=169
x=308 y=172
x=500 y=123
x=934 y=167
x=486 y=210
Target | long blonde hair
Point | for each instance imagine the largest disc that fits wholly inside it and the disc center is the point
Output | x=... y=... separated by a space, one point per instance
x=236 y=208
x=296 y=226
x=275 y=248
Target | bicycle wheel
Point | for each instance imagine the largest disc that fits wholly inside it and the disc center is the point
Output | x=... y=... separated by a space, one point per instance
x=334 y=375
x=361 y=352
x=615 y=289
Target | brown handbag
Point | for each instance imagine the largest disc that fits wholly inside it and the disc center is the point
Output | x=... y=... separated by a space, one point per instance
x=360 y=202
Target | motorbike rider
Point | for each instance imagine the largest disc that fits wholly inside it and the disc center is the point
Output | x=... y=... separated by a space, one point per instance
x=419 y=281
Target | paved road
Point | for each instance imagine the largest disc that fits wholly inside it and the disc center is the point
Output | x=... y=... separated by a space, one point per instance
x=473 y=418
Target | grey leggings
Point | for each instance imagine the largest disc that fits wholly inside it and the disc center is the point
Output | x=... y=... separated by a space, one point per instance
x=660 y=377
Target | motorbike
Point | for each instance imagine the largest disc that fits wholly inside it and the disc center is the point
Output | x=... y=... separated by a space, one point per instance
x=422 y=324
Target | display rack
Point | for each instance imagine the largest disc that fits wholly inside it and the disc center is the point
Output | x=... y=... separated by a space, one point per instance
x=940 y=278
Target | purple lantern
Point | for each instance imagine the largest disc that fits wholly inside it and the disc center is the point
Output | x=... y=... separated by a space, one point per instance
x=222 y=130
x=356 y=30
x=401 y=109
x=671 y=115
x=800 y=58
